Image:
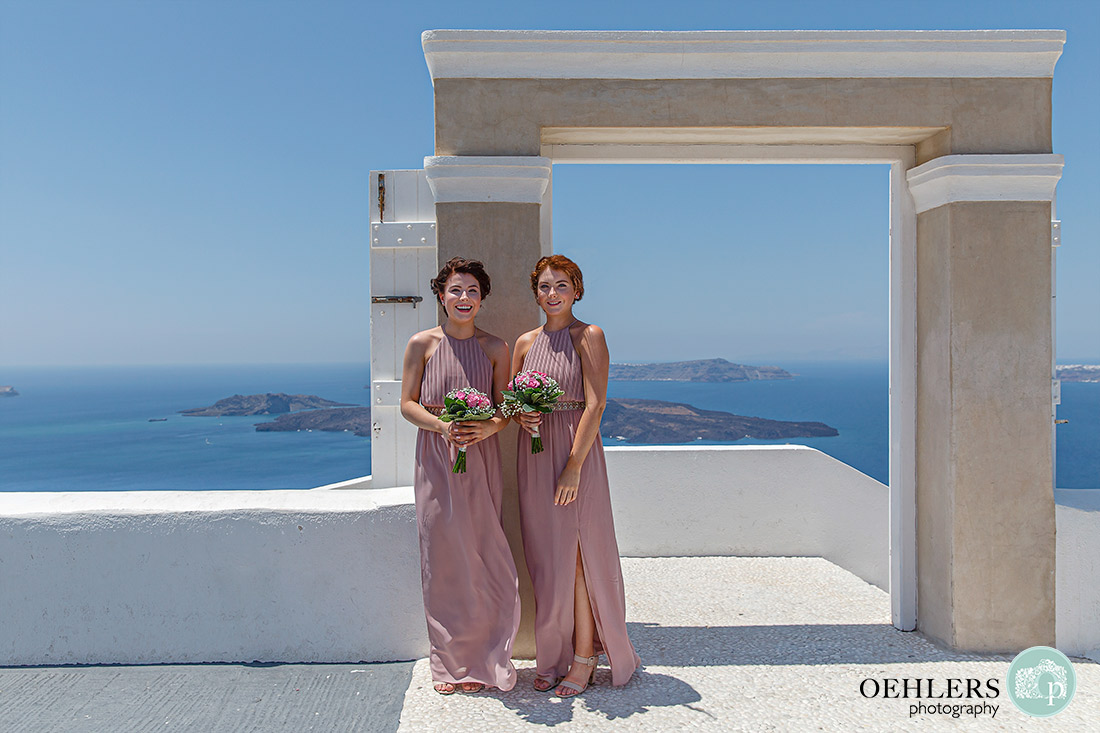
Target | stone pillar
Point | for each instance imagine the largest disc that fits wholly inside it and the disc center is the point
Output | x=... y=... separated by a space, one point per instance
x=985 y=501
x=488 y=208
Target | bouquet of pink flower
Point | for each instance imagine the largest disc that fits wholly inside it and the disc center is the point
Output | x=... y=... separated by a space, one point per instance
x=531 y=391
x=462 y=405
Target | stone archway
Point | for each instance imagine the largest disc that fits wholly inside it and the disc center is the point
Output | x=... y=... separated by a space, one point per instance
x=964 y=119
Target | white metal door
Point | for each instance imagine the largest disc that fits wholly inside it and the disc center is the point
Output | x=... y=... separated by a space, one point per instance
x=402 y=262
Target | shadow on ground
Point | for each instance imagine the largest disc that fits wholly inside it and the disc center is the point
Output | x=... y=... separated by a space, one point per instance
x=721 y=646
x=644 y=691
x=799 y=644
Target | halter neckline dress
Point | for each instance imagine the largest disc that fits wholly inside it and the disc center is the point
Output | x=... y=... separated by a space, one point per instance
x=471 y=591
x=552 y=534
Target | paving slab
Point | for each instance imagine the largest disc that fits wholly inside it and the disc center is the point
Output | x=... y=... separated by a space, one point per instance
x=203 y=697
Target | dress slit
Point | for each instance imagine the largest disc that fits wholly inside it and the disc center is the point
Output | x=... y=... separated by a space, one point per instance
x=592 y=604
x=554 y=536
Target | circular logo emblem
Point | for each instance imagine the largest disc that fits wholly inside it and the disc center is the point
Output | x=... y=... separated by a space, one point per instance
x=1041 y=681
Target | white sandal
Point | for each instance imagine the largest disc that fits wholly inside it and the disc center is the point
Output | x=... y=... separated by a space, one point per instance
x=578 y=689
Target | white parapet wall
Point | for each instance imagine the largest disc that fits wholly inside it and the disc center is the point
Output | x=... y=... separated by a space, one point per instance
x=334 y=576
x=783 y=500
x=1077 y=577
x=218 y=576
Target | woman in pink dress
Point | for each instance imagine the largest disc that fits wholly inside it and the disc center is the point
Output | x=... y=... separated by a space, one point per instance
x=565 y=505
x=471 y=591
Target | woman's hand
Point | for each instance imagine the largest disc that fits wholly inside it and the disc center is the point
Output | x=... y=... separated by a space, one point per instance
x=568 y=485
x=465 y=434
x=529 y=421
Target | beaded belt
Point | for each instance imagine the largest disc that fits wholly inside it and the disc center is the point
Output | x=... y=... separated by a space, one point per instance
x=558 y=407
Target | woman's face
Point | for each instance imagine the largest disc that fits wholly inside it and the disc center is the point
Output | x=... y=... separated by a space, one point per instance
x=461 y=297
x=555 y=292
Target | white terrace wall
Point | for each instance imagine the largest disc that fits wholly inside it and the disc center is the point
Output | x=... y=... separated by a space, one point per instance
x=1077 y=585
x=209 y=576
x=777 y=501
x=327 y=576
x=324 y=576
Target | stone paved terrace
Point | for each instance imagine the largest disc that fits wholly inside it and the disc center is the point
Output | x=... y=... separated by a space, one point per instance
x=729 y=644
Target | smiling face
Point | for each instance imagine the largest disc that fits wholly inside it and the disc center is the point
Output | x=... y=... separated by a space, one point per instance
x=461 y=297
x=555 y=292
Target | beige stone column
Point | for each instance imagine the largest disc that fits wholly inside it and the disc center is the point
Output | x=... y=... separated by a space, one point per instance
x=985 y=502
x=488 y=208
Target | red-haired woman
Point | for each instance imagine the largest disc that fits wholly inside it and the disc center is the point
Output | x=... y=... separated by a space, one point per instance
x=471 y=593
x=565 y=505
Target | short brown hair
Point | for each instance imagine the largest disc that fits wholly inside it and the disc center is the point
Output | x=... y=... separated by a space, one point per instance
x=560 y=263
x=461 y=264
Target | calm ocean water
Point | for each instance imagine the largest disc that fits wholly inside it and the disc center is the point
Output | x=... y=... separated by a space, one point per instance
x=88 y=429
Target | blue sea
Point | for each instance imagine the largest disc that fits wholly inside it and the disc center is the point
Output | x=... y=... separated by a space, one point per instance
x=85 y=429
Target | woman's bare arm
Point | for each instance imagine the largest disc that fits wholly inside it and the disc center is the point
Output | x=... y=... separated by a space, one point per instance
x=412 y=372
x=595 y=363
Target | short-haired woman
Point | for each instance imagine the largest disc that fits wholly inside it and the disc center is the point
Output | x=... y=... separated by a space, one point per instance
x=471 y=592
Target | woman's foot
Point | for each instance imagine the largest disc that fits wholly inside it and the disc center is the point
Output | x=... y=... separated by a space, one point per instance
x=581 y=674
x=544 y=682
x=444 y=688
x=471 y=687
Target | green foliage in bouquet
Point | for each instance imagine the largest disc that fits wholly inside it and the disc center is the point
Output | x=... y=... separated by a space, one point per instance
x=465 y=404
x=531 y=391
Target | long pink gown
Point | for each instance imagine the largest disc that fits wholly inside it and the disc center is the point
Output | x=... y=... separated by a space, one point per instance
x=471 y=591
x=551 y=533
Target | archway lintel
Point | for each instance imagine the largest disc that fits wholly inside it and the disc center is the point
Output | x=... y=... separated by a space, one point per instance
x=537 y=54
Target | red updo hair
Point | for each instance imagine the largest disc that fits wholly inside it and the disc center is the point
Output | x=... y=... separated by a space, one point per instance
x=461 y=264
x=561 y=263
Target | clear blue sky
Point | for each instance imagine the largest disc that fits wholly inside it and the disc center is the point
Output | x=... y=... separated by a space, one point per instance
x=186 y=182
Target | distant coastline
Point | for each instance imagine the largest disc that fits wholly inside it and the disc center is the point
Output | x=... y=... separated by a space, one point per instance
x=329 y=420
x=262 y=404
x=1078 y=372
x=657 y=421
x=630 y=420
x=698 y=370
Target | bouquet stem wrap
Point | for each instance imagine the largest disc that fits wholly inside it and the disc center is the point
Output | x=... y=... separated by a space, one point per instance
x=531 y=391
x=465 y=404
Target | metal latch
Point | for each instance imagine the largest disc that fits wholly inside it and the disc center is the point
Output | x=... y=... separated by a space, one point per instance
x=414 y=299
x=381 y=196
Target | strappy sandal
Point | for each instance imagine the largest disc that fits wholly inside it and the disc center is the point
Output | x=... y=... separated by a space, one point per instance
x=544 y=682
x=576 y=689
x=471 y=687
x=445 y=688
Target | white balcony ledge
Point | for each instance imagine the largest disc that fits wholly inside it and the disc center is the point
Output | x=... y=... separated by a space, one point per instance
x=331 y=576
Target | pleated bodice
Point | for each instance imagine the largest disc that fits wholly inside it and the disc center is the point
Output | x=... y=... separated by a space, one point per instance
x=552 y=353
x=455 y=363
